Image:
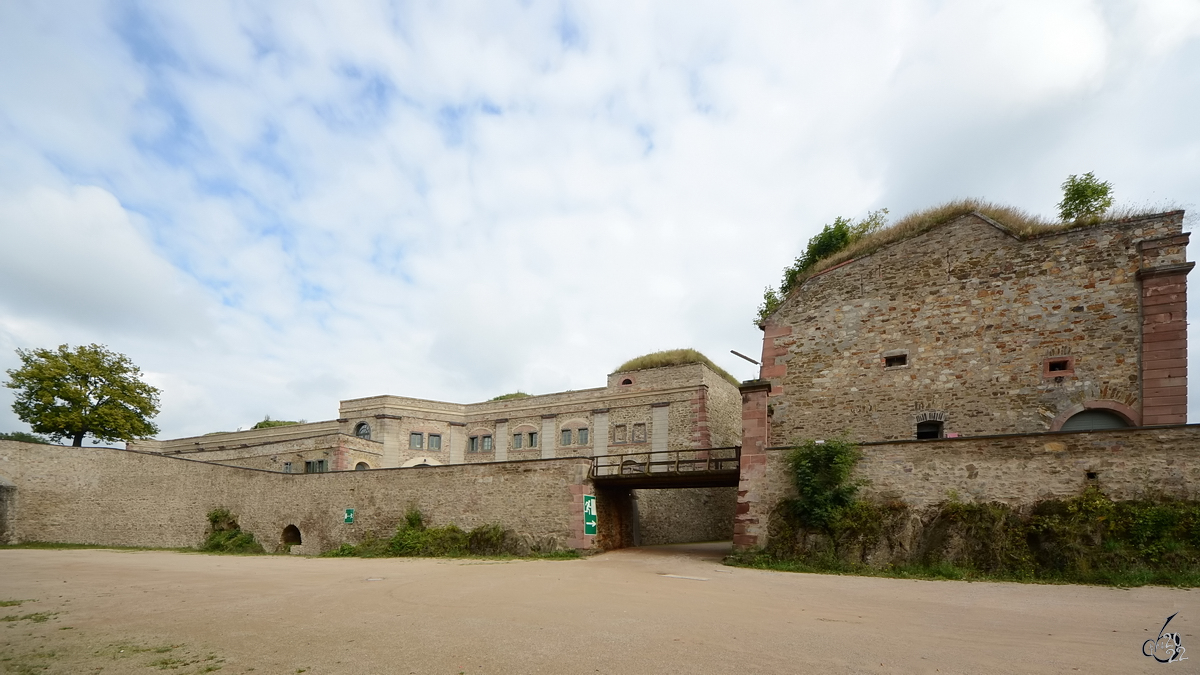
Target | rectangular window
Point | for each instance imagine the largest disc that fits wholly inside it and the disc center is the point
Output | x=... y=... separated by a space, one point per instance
x=315 y=466
x=473 y=444
x=639 y=433
x=435 y=441
x=487 y=443
x=287 y=467
x=583 y=436
x=895 y=361
x=533 y=439
x=1058 y=366
x=619 y=434
x=517 y=438
x=416 y=441
x=566 y=436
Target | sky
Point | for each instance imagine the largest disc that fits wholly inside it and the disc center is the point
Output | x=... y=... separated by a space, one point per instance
x=274 y=206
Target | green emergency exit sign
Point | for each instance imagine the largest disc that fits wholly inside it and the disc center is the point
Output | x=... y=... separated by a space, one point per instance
x=589 y=514
x=349 y=516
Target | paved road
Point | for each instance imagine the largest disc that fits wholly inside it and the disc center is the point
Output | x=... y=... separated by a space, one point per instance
x=621 y=612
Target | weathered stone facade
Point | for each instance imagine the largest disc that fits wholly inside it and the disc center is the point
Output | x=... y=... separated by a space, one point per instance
x=127 y=498
x=997 y=342
x=960 y=325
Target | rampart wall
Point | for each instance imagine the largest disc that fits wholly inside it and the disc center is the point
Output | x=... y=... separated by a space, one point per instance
x=109 y=496
x=1014 y=469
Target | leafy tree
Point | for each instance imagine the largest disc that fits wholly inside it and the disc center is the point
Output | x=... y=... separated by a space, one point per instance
x=1084 y=196
x=88 y=390
x=830 y=240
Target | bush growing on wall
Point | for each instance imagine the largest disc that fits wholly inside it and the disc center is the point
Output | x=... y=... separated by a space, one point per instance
x=414 y=539
x=226 y=536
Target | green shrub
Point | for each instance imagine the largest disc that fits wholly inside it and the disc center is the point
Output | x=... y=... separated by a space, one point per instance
x=268 y=423
x=226 y=536
x=820 y=471
x=509 y=397
x=414 y=539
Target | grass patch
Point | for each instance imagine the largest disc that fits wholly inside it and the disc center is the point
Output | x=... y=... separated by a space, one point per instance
x=413 y=538
x=39 y=617
x=673 y=357
x=13 y=603
x=509 y=397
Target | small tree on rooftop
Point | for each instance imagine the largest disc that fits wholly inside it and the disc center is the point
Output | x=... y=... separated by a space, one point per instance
x=1084 y=196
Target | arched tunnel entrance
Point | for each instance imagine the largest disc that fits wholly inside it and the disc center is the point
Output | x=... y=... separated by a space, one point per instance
x=671 y=497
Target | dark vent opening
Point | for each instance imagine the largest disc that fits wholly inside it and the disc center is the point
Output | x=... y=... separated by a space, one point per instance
x=929 y=430
x=894 y=361
x=627 y=381
x=1058 y=365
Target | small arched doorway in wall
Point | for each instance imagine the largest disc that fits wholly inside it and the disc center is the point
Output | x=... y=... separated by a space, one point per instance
x=291 y=535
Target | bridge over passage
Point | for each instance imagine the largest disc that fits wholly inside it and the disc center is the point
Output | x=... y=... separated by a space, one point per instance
x=617 y=479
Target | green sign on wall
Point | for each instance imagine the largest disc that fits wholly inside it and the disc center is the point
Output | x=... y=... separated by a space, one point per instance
x=349 y=516
x=589 y=514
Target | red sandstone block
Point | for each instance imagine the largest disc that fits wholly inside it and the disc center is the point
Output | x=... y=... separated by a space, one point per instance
x=1160 y=327
x=1150 y=392
x=1154 y=373
x=773 y=371
x=1163 y=350
x=1157 y=402
x=774 y=331
x=1152 y=419
x=742 y=507
x=1149 y=364
x=745 y=540
x=1177 y=333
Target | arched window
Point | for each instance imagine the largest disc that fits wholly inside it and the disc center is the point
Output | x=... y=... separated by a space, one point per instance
x=291 y=535
x=929 y=429
x=363 y=430
x=362 y=466
x=1094 y=420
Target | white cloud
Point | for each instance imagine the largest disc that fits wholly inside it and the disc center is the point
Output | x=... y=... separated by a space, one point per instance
x=313 y=202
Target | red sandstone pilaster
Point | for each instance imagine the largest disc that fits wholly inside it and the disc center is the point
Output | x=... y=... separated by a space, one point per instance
x=1164 y=330
x=749 y=523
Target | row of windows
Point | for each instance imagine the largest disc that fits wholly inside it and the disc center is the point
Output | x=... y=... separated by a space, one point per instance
x=621 y=433
x=581 y=436
x=311 y=466
x=417 y=441
x=520 y=438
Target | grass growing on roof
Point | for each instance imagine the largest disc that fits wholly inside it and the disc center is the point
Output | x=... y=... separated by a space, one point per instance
x=1020 y=223
x=673 y=357
x=509 y=397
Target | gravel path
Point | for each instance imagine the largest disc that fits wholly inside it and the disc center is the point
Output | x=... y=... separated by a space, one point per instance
x=671 y=609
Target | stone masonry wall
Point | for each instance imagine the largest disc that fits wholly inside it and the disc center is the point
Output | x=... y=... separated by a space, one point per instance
x=120 y=497
x=976 y=312
x=1017 y=470
x=677 y=516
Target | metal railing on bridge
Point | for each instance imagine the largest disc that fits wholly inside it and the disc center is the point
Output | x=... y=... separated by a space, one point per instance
x=706 y=467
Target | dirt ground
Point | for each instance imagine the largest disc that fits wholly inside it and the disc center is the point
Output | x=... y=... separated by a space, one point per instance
x=670 y=609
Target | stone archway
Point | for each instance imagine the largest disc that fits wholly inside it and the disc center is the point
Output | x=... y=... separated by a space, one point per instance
x=291 y=535
x=1124 y=412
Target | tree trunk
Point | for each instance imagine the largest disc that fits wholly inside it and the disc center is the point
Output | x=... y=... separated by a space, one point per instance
x=78 y=440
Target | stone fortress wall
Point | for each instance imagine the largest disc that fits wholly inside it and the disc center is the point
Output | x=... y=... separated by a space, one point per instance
x=117 y=497
x=961 y=326
x=976 y=315
x=671 y=408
